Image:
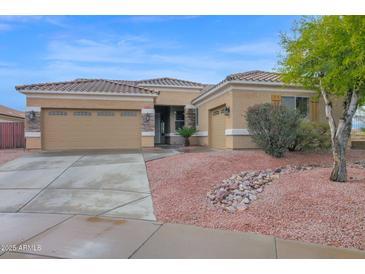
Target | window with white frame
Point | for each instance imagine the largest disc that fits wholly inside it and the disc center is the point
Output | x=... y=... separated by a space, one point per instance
x=301 y=104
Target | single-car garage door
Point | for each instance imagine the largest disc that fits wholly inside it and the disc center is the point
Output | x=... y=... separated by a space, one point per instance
x=217 y=128
x=65 y=129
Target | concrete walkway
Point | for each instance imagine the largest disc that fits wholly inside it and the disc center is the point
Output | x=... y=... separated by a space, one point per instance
x=65 y=236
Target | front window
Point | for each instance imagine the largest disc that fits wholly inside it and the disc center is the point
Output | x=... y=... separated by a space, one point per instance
x=301 y=104
x=179 y=119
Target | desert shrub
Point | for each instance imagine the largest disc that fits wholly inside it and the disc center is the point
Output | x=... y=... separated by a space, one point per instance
x=186 y=132
x=273 y=128
x=312 y=136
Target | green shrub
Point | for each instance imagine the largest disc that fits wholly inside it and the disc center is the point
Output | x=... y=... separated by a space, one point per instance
x=273 y=128
x=186 y=132
x=312 y=136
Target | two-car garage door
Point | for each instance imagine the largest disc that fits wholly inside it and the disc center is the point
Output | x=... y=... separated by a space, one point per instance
x=65 y=129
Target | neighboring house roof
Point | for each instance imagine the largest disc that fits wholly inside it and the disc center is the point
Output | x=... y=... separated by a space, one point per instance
x=6 y=111
x=254 y=76
x=87 y=86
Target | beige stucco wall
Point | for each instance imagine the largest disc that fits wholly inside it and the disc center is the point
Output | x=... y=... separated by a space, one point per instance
x=176 y=96
x=243 y=99
x=239 y=98
x=148 y=141
x=33 y=143
x=123 y=103
x=199 y=141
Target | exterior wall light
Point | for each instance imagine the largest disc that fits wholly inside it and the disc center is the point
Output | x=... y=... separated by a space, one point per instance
x=146 y=117
x=227 y=111
x=31 y=115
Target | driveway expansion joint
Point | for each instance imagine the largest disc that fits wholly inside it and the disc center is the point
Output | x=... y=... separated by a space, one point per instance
x=275 y=248
x=152 y=234
x=47 y=229
x=35 y=196
x=33 y=254
x=139 y=199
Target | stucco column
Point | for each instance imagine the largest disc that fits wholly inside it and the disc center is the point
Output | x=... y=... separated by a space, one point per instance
x=148 y=127
x=33 y=127
x=190 y=116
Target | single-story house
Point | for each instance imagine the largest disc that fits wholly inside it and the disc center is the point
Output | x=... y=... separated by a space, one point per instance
x=118 y=114
x=8 y=115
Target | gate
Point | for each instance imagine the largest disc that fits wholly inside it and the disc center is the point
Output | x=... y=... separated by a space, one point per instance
x=12 y=135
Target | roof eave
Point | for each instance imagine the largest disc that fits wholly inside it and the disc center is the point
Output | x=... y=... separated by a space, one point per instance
x=12 y=116
x=55 y=92
x=223 y=84
x=169 y=86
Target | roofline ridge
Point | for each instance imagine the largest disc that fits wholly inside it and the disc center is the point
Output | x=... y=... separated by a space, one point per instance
x=171 y=78
x=123 y=84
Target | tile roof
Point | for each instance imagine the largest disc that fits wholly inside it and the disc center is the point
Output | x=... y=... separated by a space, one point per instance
x=166 y=81
x=10 y=112
x=254 y=76
x=88 y=86
x=206 y=88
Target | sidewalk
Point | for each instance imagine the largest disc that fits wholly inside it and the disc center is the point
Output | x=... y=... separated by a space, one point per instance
x=67 y=236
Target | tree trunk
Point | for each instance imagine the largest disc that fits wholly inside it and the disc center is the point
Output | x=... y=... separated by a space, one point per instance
x=187 y=142
x=340 y=134
x=339 y=171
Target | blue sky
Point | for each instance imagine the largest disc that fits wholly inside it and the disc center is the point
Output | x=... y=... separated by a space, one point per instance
x=199 y=48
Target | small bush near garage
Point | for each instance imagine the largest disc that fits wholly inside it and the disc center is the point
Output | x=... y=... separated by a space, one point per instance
x=273 y=128
x=312 y=136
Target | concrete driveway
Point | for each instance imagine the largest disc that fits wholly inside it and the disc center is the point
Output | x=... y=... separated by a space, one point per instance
x=110 y=184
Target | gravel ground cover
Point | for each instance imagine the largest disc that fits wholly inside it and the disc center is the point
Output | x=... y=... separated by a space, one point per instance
x=302 y=205
x=7 y=155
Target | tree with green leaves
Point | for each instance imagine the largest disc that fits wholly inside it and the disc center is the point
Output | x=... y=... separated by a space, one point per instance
x=327 y=54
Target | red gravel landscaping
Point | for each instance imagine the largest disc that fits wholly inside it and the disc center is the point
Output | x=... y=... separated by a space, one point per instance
x=7 y=155
x=301 y=206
